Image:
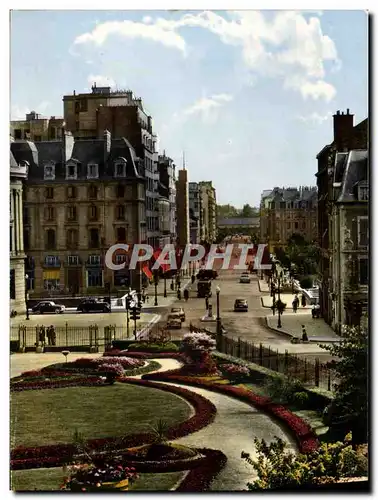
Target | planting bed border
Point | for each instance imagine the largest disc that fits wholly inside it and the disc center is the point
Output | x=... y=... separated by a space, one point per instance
x=145 y=355
x=305 y=436
x=200 y=478
x=56 y=455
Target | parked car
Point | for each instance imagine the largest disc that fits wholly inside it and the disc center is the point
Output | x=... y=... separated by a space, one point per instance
x=245 y=278
x=174 y=321
x=93 y=305
x=180 y=311
x=241 y=305
x=48 y=306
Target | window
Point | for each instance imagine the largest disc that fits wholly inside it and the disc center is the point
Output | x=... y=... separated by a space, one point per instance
x=83 y=105
x=72 y=238
x=49 y=213
x=120 y=212
x=71 y=192
x=120 y=258
x=289 y=225
x=94 y=277
x=94 y=260
x=17 y=133
x=73 y=260
x=363 y=193
x=93 y=212
x=71 y=213
x=92 y=192
x=94 y=239
x=363 y=231
x=51 y=284
x=12 y=284
x=296 y=225
x=121 y=277
x=120 y=168
x=92 y=171
x=77 y=106
x=52 y=133
x=121 y=235
x=363 y=271
x=71 y=171
x=49 y=193
x=52 y=260
x=120 y=191
x=49 y=171
x=50 y=239
x=282 y=205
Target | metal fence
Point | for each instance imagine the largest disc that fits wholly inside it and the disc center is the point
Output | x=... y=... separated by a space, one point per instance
x=310 y=373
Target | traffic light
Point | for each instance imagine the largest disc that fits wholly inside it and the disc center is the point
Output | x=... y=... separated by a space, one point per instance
x=135 y=313
x=128 y=303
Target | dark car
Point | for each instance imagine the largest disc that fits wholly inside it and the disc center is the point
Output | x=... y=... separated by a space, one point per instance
x=208 y=274
x=48 y=306
x=93 y=305
x=241 y=305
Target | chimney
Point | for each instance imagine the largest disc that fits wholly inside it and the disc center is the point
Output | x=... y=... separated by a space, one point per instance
x=107 y=144
x=343 y=129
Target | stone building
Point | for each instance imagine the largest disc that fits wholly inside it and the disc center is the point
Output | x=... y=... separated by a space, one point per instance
x=82 y=196
x=208 y=202
x=195 y=208
x=35 y=127
x=18 y=175
x=346 y=136
x=349 y=238
x=182 y=208
x=87 y=115
x=288 y=211
x=167 y=177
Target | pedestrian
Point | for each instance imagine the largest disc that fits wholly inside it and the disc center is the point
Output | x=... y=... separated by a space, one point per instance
x=304 y=334
x=53 y=335
x=186 y=294
x=48 y=332
x=303 y=300
x=313 y=309
x=295 y=304
x=193 y=278
x=42 y=335
x=179 y=294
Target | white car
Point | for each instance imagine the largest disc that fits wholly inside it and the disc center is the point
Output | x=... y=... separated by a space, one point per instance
x=245 y=278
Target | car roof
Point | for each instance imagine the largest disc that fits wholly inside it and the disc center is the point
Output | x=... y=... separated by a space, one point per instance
x=241 y=300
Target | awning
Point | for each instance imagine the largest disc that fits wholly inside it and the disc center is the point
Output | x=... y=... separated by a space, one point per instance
x=51 y=274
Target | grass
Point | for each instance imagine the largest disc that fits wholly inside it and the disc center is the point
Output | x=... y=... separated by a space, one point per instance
x=51 y=479
x=51 y=416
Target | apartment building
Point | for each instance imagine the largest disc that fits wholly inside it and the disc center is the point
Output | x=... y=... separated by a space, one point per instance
x=182 y=209
x=195 y=212
x=35 y=127
x=208 y=212
x=82 y=196
x=167 y=177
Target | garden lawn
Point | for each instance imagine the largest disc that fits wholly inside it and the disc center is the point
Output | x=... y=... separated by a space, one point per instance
x=51 y=479
x=49 y=416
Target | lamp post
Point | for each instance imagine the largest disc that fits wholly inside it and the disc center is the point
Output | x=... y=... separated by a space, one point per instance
x=26 y=296
x=165 y=285
x=279 y=324
x=218 y=311
x=156 y=284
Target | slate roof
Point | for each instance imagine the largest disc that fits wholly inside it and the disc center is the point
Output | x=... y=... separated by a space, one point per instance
x=340 y=162
x=290 y=194
x=356 y=171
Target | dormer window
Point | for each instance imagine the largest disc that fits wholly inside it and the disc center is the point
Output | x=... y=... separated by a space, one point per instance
x=71 y=171
x=92 y=171
x=49 y=171
x=120 y=168
x=363 y=192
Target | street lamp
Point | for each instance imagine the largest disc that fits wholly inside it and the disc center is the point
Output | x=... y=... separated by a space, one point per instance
x=279 y=324
x=26 y=295
x=218 y=316
x=165 y=285
x=156 y=284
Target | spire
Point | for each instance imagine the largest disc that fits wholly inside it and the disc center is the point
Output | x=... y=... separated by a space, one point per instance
x=183 y=160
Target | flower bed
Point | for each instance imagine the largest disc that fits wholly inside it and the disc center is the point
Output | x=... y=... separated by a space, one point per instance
x=153 y=347
x=200 y=478
x=306 y=438
x=56 y=455
x=144 y=355
x=56 y=383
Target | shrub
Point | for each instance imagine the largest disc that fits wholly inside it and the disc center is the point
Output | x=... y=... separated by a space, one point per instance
x=196 y=348
x=234 y=372
x=306 y=282
x=147 y=347
x=282 y=389
x=301 y=399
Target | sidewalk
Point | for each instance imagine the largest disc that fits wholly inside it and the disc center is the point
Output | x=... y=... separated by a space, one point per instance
x=317 y=329
x=287 y=298
x=263 y=286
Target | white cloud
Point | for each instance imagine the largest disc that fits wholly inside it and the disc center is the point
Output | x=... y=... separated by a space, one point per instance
x=316 y=118
x=101 y=81
x=206 y=107
x=289 y=45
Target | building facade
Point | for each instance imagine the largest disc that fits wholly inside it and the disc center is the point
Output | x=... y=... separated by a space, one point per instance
x=288 y=211
x=182 y=209
x=195 y=212
x=18 y=279
x=81 y=197
x=349 y=238
x=346 y=136
x=37 y=128
x=208 y=203
x=87 y=115
x=167 y=177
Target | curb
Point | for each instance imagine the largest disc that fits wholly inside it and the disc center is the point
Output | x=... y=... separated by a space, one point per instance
x=154 y=320
x=310 y=340
x=277 y=330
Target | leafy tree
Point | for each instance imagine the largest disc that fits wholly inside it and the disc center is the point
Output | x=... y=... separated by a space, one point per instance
x=248 y=211
x=349 y=408
x=227 y=211
x=277 y=468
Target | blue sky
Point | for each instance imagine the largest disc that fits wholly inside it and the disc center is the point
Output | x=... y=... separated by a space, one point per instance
x=248 y=95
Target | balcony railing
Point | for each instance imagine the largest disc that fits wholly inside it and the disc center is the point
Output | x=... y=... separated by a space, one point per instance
x=55 y=263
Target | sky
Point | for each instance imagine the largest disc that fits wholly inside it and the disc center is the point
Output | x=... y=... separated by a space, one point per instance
x=248 y=95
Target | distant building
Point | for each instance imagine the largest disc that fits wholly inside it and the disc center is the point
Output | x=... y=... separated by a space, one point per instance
x=240 y=225
x=346 y=137
x=288 y=211
x=81 y=197
x=195 y=212
x=167 y=177
x=182 y=208
x=37 y=128
x=18 y=280
x=208 y=229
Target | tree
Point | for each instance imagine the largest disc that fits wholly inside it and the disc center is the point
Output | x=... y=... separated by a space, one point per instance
x=348 y=410
x=278 y=468
x=227 y=211
x=248 y=211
